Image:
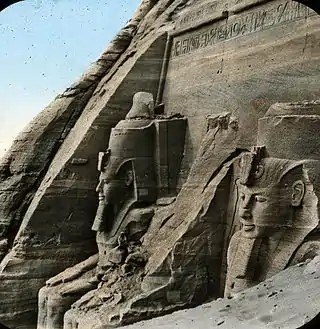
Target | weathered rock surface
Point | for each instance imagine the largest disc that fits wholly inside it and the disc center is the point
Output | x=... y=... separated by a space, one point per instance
x=222 y=66
x=24 y=165
x=289 y=300
x=38 y=176
x=237 y=65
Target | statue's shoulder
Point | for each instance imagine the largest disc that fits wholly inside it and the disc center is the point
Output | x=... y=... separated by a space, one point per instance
x=309 y=249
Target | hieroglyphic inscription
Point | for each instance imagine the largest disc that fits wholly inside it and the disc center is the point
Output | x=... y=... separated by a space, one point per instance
x=254 y=21
x=197 y=15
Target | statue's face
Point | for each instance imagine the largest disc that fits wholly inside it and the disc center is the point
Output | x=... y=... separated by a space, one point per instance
x=110 y=190
x=113 y=181
x=114 y=189
x=263 y=211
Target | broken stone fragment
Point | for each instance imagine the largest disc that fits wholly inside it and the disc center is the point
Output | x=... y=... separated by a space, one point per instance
x=136 y=259
x=118 y=255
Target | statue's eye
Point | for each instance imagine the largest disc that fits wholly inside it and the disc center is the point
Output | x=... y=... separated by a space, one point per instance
x=242 y=196
x=260 y=198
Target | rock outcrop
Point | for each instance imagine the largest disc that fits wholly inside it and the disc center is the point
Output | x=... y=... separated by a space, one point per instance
x=27 y=161
x=37 y=158
x=236 y=74
x=275 y=303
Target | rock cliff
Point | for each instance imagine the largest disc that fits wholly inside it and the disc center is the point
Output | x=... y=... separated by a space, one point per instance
x=36 y=158
x=235 y=72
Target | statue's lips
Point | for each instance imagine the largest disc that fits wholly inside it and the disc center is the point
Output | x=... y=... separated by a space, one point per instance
x=247 y=226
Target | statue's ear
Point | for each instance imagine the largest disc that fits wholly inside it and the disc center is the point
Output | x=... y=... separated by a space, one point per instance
x=298 y=190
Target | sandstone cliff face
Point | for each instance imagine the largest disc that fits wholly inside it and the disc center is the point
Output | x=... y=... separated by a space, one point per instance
x=38 y=176
x=48 y=177
x=26 y=162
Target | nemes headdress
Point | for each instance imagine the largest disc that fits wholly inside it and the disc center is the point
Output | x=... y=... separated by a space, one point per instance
x=255 y=169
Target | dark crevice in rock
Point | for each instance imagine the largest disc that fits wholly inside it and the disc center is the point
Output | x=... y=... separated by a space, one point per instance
x=18 y=215
x=234 y=214
x=5 y=171
x=74 y=117
x=166 y=220
x=178 y=7
x=74 y=91
x=232 y=156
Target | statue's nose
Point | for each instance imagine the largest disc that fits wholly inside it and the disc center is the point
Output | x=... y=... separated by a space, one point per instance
x=245 y=213
x=245 y=207
x=99 y=187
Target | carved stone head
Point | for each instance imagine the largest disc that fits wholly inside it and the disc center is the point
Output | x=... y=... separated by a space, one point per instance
x=275 y=194
x=127 y=167
x=279 y=187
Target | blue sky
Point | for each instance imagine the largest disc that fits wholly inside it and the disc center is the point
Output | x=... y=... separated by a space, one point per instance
x=45 y=45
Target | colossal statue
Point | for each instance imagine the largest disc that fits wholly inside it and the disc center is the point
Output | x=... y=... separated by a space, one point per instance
x=127 y=176
x=277 y=210
x=134 y=172
x=278 y=201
